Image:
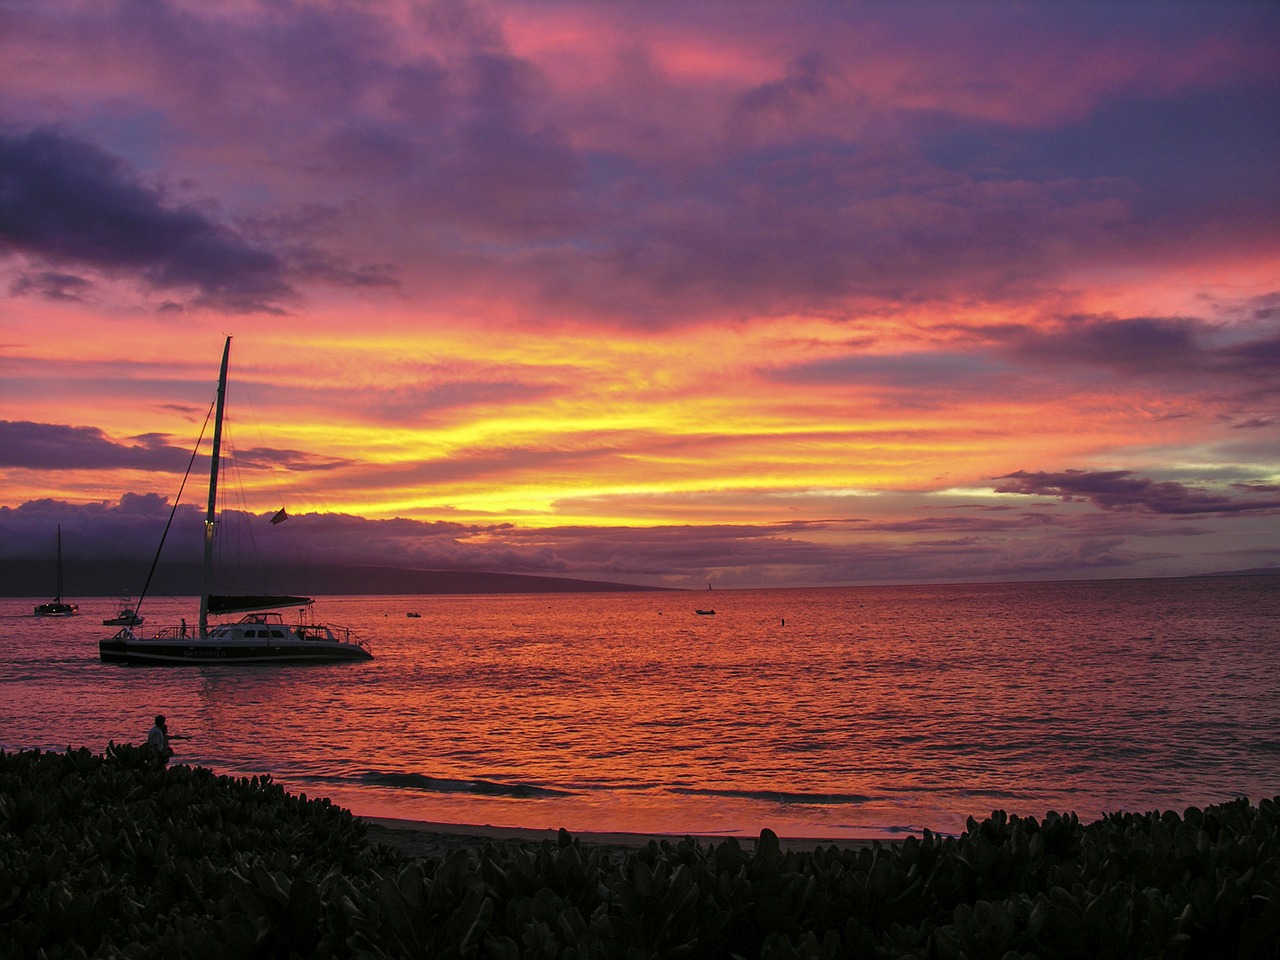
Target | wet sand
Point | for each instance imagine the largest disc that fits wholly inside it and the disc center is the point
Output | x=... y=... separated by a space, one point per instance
x=419 y=838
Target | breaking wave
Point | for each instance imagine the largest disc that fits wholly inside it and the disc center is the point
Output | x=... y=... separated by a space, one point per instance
x=484 y=788
x=778 y=796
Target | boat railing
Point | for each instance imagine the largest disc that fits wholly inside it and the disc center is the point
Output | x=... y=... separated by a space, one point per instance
x=131 y=632
x=182 y=632
x=331 y=632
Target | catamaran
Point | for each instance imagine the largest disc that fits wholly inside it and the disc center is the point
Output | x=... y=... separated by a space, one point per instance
x=57 y=607
x=258 y=637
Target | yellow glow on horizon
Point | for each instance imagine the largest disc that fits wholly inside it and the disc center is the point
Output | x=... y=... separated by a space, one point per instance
x=480 y=425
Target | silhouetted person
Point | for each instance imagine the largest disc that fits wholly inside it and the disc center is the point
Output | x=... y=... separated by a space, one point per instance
x=158 y=741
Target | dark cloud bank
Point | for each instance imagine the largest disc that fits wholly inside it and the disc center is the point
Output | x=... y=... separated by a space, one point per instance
x=110 y=545
x=66 y=204
x=1120 y=490
x=48 y=446
x=51 y=446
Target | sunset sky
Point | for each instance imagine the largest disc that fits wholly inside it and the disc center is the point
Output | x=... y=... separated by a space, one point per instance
x=665 y=293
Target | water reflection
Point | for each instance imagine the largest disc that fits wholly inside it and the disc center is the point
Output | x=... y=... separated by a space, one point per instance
x=870 y=709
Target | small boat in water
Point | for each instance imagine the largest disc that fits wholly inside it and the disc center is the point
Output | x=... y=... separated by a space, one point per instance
x=57 y=607
x=127 y=617
x=705 y=613
x=257 y=637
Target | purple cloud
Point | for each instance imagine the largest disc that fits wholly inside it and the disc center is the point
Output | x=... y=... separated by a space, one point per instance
x=65 y=201
x=52 y=285
x=1137 y=345
x=942 y=369
x=868 y=155
x=50 y=446
x=1120 y=490
x=1181 y=353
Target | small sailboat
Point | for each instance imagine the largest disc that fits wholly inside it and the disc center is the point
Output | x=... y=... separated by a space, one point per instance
x=258 y=637
x=57 y=607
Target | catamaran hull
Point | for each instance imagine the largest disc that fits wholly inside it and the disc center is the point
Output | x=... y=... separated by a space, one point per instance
x=162 y=653
x=57 y=610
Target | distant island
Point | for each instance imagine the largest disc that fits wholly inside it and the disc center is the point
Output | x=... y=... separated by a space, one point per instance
x=112 y=578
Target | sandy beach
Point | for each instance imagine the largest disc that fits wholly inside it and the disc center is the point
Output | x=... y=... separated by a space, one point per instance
x=420 y=838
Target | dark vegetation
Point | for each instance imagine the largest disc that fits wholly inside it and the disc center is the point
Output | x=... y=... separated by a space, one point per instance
x=113 y=856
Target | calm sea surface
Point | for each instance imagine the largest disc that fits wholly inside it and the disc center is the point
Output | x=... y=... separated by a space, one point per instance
x=817 y=713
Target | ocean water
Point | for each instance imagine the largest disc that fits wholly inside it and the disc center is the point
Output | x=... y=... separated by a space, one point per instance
x=851 y=712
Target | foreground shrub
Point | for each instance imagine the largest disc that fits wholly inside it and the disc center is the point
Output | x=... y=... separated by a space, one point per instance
x=114 y=856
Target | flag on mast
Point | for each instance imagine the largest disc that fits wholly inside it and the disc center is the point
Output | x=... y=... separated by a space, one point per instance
x=280 y=516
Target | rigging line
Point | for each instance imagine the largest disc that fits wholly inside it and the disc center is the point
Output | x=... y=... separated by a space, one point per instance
x=176 y=500
x=289 y=535
x=241 y=563
x=242 y=385
x=230 y=498
x=244 y=562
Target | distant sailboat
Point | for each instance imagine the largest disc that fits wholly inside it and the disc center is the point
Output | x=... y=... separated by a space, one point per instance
x=56 y=607
x=258 y=637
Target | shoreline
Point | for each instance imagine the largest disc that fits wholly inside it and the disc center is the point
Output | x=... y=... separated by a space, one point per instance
x=426 y=838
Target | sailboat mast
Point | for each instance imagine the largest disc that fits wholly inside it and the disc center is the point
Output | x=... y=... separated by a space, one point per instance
x=58 y=598
x=211 y=512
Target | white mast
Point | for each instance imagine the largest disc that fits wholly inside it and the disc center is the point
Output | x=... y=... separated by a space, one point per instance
x=210 y=517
